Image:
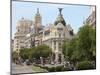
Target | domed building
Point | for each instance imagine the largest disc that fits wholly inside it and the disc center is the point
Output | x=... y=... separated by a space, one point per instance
x=54 y=36
x=24 y=25
x=30 y=33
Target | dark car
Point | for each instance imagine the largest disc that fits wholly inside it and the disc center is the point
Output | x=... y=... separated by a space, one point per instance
x=28 y=62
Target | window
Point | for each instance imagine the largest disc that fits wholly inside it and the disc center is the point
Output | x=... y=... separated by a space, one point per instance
x=54 y=42
x=60 y=46
x=54 y=47
x=47 y=32
x=17 y=40
x=17 y=44
x=71 y=32
x=59 y=35
x=17 y=50
x=59 y=29
x=18 y=30
x=64 y=34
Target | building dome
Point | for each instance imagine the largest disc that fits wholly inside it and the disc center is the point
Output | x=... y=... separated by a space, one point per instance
x=24 y=26
x=60 y=18
x=24 y=22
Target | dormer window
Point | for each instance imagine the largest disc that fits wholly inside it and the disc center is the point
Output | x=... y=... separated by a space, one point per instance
x=18 y=30
x=64 y=34
x=59 y=29
x=71 y=32
x=59 y=35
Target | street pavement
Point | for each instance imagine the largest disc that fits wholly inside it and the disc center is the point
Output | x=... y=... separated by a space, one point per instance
x=17 y=69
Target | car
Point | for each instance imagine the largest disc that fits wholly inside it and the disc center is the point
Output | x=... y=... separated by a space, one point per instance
x=27 y=62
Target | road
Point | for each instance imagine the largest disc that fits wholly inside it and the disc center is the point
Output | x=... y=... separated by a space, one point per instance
x=17 y=69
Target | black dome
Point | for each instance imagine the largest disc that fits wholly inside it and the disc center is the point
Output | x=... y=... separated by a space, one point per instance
x=60 y=18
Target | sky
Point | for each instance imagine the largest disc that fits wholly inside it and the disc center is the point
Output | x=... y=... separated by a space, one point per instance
x=73 y=14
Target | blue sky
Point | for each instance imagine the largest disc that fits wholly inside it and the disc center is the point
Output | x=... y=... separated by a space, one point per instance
x=73 y=14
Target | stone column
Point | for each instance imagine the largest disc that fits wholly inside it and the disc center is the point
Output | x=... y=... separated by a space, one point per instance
x=57 y=53
x=62 y=58
x=56 y=57
x=52 y=46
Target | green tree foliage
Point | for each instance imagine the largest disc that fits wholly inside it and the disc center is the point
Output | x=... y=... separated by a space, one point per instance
x=93 y=39
x=24 y=53
x=70 y=50
x=32 y=53
x=82 y=47
x=14 y=56
x=87 y=42
x=35 y=52
x=42 y=51
x=84 y=65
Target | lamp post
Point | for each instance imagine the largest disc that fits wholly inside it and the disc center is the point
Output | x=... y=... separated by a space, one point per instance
x=41 y=60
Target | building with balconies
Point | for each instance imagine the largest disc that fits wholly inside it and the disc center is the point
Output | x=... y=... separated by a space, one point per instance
x=32 y=33
x=22 y=28
x=91 y=20
x=54 y=36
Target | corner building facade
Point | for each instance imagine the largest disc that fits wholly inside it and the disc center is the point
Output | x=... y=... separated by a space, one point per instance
x=52 y=35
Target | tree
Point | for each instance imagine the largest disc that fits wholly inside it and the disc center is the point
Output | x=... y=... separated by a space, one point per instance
x=35 y=52
x=83 y=47
x=93 y=44
x=70 y=50
x=24 y=53
x=84 y=65
x=14 y=56
x=42 y=51
x=87 y=42
x=32 y=53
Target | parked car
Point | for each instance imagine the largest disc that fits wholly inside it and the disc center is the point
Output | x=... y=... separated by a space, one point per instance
x=27 y=62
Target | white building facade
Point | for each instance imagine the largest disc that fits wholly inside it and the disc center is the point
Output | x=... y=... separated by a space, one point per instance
x=91 y=20
x=32 y=33
x=22 y=28
x=54 y=36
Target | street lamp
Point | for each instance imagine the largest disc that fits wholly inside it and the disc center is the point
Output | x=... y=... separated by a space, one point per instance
x=41 y=59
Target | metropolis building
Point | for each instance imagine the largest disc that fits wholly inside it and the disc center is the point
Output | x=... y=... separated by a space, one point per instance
x=55 y=34
x=33 y=33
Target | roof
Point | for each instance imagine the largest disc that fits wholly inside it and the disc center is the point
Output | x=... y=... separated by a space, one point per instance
x=60 y=18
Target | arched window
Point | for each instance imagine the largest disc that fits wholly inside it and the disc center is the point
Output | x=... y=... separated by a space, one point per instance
x=71 y=32
x=59 y=35
x=64 y=34
x=18 y=30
